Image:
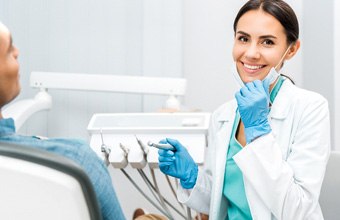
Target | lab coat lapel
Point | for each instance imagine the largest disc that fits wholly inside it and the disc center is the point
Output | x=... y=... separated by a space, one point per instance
x=224 y=121
x=281 y=108
x=282 y=102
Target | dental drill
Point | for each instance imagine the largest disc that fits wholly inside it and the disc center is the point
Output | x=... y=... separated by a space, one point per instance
x=105 y=149
x=137 y=157
x=152 y=187
x=161 y=146
x=165 y=147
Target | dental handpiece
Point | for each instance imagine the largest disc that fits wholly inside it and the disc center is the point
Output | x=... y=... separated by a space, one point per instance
x=161 y=146
x=144 y=148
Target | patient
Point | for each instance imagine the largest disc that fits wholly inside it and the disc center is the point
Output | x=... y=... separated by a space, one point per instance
x=75 y=150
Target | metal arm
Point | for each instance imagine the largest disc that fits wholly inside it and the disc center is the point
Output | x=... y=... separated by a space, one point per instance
x=21 y=110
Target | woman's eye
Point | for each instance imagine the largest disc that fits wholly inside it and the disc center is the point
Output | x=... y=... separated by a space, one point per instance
x=243 y=39
x=268 y=42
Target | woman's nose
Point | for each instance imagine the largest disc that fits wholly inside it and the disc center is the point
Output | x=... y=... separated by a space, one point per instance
x=252 y=52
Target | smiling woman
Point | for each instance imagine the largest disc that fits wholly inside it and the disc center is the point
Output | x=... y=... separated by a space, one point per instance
x=264 y=42
x=269 y=147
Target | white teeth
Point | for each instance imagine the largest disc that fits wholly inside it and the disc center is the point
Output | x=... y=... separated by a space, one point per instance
x=252 y=67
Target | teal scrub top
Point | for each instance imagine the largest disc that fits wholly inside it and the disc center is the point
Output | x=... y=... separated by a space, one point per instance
x=233 y=189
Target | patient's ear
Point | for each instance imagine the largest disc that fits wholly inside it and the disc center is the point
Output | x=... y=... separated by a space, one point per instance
x=293 y=50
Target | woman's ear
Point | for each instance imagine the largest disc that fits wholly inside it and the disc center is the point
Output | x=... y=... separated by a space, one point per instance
x=293 y=50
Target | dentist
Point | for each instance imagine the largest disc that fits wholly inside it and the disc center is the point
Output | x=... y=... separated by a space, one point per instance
x=268 y=148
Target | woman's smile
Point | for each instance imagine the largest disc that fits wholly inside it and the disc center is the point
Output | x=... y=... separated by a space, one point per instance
x=252 y=68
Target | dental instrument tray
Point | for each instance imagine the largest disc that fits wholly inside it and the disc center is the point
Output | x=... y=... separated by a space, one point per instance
x=116 y=129
x=149 y=123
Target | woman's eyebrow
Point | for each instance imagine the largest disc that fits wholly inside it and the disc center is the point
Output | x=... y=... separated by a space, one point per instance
x=267 y=36
x=261 y=37
x=243 y=33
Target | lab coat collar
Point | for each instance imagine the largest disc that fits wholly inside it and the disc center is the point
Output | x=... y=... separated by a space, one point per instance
x=282 y=102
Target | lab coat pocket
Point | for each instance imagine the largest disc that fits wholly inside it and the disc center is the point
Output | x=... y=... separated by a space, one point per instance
x=280 y=133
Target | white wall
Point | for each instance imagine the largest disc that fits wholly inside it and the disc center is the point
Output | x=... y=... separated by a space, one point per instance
x=207 y=44
x=336 y=97
x=318 y=59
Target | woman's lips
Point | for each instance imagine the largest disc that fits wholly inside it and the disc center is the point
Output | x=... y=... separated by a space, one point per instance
x=252 y=68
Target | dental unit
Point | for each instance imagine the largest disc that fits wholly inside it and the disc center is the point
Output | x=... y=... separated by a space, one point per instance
x=123 y=139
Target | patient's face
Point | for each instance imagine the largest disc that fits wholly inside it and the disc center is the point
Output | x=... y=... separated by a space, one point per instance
x=9 y=67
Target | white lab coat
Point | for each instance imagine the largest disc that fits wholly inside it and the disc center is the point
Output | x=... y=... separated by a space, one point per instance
x=282 y=171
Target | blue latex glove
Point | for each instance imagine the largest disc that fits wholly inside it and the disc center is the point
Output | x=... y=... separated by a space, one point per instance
x=178 y=163
x=253 y=105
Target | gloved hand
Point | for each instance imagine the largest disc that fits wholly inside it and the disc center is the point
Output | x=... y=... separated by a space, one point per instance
x=253 y=105
x=178 y=163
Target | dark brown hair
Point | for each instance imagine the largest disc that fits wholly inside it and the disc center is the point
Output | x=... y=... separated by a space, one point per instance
x=279 y=10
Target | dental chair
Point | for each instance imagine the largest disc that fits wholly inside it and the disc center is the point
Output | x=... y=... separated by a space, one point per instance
x=330 y=191
x=39 y=185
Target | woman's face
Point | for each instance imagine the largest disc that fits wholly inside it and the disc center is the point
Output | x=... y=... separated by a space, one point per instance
x=260 y=42
x=9 y=67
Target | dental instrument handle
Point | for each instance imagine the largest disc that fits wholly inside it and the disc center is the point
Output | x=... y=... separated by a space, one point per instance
x=144 y=148
x=118 y=157
x=161 y=146
x=136 y=158
x=105 y=149
x=124 y=149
